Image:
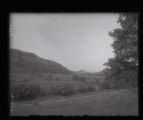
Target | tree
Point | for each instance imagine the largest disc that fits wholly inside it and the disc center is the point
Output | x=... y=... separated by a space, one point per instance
x=124 y=66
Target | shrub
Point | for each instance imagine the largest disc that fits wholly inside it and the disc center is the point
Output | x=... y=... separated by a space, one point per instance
x=113 y=85
x=57 y=79
x=82 y=79
x=22 y=92
x=25 y=80
x=77 y=78
x=64 y=89
x=105 y=85
x=50 y=77
x=85 y=88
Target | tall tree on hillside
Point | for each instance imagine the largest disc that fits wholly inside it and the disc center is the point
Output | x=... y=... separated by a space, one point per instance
x=124 y=66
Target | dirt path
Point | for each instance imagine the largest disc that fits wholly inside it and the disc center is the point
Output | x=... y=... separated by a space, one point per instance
x=117 y=102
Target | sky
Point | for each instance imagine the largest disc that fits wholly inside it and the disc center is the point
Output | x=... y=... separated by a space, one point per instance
x=77 y=41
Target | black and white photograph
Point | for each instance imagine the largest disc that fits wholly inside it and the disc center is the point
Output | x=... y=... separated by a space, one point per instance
x=73 y=64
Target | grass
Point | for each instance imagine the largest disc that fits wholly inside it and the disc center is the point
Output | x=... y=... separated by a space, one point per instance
x=45 y=77
x=22 y=92
x=34 y=91
x=109 y=102
x=59 y=85
x=56 y=84
x=64 y=89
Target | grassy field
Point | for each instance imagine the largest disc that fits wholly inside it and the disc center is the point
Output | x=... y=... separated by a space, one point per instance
x=110 y=102
x=46 y=81
x=15 y=77
x=64 y=99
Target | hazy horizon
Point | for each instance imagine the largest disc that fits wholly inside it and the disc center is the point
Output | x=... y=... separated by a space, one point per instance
x=77 y=41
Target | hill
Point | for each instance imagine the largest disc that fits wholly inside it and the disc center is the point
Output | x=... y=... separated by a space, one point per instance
x=26 y=62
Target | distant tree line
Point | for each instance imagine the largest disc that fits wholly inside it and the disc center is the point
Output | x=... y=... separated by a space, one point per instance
x=78 y=78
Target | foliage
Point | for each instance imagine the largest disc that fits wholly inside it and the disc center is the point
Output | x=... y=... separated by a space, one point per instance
x=105 y=85
x=68 y=89
x=85 y=88
x=78 y=78
x=124 y=66
x=50 y=77
x=57 y=79
x=23 y=92
x=64 y=89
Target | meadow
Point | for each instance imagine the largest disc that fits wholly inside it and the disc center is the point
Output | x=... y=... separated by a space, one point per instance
x=70 y=94
x=53 y=84
x=108 y=102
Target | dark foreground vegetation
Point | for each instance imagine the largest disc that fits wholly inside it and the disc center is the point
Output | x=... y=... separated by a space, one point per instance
x=109 y=102
x=28 y=92
x=24 y=92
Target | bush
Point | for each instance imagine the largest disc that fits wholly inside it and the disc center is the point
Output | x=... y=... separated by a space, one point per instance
x=77 y=78
x=114 y=85
x=105 y=85
x=85 y=88
x=57 y=79
x=67 y=89
x=25 y=80
x=64 y=89
x=50 y=77
x=22 y=92
x=82 y=79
